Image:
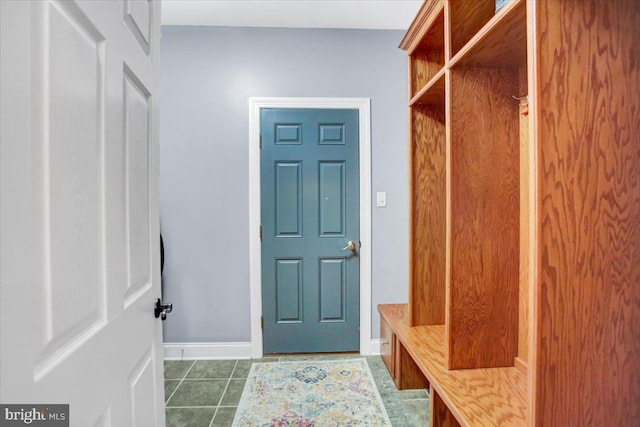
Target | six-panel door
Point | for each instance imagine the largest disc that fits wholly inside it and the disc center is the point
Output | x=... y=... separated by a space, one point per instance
x=310 y=212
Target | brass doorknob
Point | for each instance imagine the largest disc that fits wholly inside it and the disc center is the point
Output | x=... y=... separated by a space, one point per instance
x=351 y=245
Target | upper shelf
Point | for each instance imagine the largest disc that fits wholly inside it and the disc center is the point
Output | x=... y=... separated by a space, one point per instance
x=500 y=43
x=432 y=93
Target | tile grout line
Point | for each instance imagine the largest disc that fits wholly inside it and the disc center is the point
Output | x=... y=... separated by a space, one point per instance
x=278 y=359
x=180 y=383
x=189 y=407
x=223 y=393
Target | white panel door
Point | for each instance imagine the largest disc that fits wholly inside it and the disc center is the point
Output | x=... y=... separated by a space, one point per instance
x=79 y=209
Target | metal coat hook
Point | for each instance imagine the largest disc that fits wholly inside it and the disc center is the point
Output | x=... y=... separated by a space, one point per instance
x=520 y=98
x=524 y=106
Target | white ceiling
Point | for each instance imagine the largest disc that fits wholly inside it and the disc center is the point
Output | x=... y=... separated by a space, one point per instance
x=373 y=14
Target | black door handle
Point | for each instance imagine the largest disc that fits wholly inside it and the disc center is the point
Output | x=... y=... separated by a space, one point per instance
x=161 y=309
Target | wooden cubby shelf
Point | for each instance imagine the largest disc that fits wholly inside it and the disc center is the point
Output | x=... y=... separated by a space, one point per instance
x=501 y=43
x=427 y=58
x=432 y=92
x=467 y=19
x=523 y=180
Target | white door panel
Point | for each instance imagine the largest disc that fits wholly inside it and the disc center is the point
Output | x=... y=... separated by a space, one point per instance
x=79 y=209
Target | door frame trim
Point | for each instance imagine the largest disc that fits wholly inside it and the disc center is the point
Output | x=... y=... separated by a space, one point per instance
x=363 y=105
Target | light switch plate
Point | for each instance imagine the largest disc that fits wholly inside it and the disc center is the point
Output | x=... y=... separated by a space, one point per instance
x=381 y=199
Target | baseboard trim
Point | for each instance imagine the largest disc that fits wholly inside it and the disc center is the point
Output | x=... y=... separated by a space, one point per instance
x=205 y=350
x=374 y=348
x=227 y=350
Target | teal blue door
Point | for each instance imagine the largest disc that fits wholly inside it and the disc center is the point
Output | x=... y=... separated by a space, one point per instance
x=310 y=213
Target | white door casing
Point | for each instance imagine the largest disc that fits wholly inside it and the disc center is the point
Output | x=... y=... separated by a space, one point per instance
x=79 y=209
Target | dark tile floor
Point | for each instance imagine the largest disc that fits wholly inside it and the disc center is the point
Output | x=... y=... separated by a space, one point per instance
x=205 y=393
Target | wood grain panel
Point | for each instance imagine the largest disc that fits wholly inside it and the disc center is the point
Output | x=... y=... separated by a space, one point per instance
x=485 y=178
x=587 y=371
x=428 y=58
x=476 y=397
x=428 y=221
x=441 y=416
x=424 y=65
x=467 y=18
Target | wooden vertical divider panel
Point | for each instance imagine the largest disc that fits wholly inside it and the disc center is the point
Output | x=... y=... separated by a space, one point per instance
x=523 y=293
x=587 y=367
x=485 y=201
x=427 y=257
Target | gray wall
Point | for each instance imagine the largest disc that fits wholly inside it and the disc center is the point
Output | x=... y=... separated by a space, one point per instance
x=207 y=76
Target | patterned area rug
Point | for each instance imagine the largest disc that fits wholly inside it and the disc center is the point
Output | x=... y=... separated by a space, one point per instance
x=311 y=393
